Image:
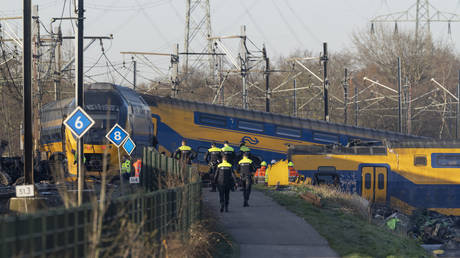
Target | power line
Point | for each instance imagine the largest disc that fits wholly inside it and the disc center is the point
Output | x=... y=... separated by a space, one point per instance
x=287 y=24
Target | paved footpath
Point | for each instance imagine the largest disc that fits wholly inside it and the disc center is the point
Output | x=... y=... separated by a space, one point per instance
x=266 y=229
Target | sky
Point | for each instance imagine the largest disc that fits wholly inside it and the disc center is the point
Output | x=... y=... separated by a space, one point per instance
x=284 y=26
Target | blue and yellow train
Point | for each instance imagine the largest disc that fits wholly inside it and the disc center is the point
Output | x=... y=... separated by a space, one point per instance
x=267 y=134
x=149 y=118
x=107 y=104
x=405 y=175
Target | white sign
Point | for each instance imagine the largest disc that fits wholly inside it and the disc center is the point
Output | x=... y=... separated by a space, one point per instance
x=25 y=191
x=134 y=180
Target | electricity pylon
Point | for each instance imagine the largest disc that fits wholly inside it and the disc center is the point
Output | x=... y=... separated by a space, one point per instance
x=198 y=29
x=422 y=13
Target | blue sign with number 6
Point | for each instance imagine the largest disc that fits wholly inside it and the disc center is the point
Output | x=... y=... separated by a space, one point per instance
x=79 y=122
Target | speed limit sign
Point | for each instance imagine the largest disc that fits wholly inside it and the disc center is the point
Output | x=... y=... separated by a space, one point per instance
x=79 y=122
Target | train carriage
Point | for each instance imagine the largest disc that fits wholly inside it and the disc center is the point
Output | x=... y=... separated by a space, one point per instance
x=267 y=134
x=107 y=104
x=405 y=175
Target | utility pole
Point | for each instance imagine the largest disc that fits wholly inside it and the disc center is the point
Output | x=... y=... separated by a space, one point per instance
x=27 y=87
x=399 y=96
x=356 y=106
x=175 y=71
x=58 y=68
x=134 y=72
x=457 y=120
x=295 y=98
x=324 y=58
x=79 y=97
x=244 y=65
x=267 y=79
x=36 y=75
x=345 y=96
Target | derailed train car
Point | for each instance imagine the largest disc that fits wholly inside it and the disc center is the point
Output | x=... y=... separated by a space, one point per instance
x=267 y=134
x=404 y=175
x=107 y=104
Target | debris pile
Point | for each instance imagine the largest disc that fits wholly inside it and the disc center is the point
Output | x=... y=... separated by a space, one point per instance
x=434 y=228
x=429 y=227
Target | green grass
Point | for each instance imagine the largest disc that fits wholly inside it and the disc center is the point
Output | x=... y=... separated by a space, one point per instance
x=348 y=234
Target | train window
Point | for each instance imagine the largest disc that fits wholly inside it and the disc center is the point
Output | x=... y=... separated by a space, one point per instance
x=367 y=181
x=381 y=183
x=420 y=161
x=445 y=160
x=322 y=137
x=286 y=131
x=379 y=150
x=213 y=120
x=326 y=169
x=326 y=175
x=363 y=150
x=251 y=126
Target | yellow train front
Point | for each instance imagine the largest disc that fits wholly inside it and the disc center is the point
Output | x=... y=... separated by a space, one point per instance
x=405 y=175
x=107 y=104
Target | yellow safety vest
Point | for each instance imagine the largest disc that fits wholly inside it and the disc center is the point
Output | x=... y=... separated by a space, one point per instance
x=224 y=164
x=245 y=160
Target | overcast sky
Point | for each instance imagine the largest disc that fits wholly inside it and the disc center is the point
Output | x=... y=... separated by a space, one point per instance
x=283 y=25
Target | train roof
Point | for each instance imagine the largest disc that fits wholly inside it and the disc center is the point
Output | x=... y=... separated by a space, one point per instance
x=426 y=144
x=369 y=149
x=283 y=120
x=128 y=94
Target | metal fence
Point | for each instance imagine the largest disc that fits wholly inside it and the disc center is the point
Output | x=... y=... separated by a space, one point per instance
x=68 y=232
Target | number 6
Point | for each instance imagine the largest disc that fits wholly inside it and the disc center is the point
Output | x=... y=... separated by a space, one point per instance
x=78 y=123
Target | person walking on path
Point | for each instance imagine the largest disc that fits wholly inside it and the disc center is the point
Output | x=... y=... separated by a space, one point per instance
x=246 y=170
x=185 y=153
x=224 y=178
x=228 y=152
x=213 y=157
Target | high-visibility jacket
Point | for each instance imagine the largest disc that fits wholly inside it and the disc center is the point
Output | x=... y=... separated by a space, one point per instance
x=261 y=171
x=245 y=167
x=137 y=167
x=292 y=172
x=184 y=152
x=213 y=156
x=75 y=156
x=229 y=153
x=244 y=149
x=224 y=174
x=126 y=167
x=266 y=177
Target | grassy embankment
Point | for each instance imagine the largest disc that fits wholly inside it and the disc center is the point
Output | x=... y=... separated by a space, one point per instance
x=344 y=221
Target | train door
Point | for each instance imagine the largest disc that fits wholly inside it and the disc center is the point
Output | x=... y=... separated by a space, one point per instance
x=374 y=183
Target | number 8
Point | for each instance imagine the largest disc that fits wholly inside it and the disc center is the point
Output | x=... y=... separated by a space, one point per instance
x=117 y=136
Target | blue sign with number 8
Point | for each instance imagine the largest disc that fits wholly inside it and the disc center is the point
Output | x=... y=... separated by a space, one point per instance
x=117 y=135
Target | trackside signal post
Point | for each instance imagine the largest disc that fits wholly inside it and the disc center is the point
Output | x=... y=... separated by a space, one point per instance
x=117 y=135
x=79 y=98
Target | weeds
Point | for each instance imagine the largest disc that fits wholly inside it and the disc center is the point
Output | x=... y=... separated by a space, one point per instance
x=336 y=198
x=348 y=234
